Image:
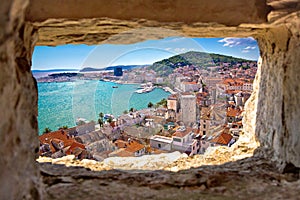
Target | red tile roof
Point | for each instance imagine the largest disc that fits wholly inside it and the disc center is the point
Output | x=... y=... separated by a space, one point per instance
x=134 y=146
x=122 y=153
x=121 y=143
x=130 y=146
x=173 y=97
x=192 y=83
x=60 y=135
x=222 y=139
x=74 y=146
x=182 y=133
x=232 y=112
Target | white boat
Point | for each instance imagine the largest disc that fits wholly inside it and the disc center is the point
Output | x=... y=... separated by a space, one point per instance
x=145 y=90
x=140 y=91
x=149 y=89
x=107 y=116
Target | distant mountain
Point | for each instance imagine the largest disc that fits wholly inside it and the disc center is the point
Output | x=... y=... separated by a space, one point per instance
x=54 y=70
x=124 y=67
x=199 y=59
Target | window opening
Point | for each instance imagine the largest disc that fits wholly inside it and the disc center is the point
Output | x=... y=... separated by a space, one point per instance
x=152 y=96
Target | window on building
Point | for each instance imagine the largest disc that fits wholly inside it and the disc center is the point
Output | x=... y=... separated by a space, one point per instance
x=204 y=132
x=159 y=145
x=176 y=139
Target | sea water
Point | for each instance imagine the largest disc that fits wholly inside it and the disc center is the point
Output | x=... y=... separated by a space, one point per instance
x=61 y=103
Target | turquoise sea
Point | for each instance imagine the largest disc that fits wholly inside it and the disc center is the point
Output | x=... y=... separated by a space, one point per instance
x=61 y=103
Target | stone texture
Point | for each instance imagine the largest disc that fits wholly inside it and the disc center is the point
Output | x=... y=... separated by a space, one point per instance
x=116 y=31
x=278 y=112
x=94 y=23
x=245 y=11
x=236 y=180
x=19 y=175
x=147 y=162
x=135 y=21
x=272 y=113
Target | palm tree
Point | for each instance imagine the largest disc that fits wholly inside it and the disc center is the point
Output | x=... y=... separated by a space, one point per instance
x=101 y=115
x=47 y=130
x=100 y=121
x=131 y=110
x=150 y=105
x=164 y=102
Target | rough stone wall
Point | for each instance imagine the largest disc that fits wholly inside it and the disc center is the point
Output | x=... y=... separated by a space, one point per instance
x=272 y=112
x=19 y=175
x=277 y=102
x=236 y=12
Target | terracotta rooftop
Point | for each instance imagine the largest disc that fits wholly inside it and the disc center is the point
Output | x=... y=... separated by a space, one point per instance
x=182 y=133
x=74 y=146
x=232 y=112
x=134 y=146
x=172 y=97
x=230 y=81
x=232 y=91
x=122 y=153
x=130 y=146
x=60 y=135
x=155 y=151
x=121 y=143
x=222 y=139
x=191 y=83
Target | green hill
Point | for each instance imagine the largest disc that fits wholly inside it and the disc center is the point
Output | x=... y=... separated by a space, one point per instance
x=199 y=59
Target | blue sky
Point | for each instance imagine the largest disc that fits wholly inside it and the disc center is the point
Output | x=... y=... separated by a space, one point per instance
x=147 y=52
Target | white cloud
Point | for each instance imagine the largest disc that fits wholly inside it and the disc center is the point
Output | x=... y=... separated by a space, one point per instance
x=180 y=50
x=249 y=47
x=232 y=42
x=245 y=51
x=174 y=39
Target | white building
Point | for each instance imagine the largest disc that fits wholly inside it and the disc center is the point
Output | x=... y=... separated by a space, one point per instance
x=190 y=86
x=247 y=87
x=161 y=142
x=183 y=141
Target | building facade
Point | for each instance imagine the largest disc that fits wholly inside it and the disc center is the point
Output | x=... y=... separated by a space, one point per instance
x=188 y=108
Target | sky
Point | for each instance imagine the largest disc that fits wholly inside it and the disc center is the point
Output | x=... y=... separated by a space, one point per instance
x=147 y=52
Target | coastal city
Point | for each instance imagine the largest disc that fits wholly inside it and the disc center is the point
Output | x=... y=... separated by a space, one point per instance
x=204 y=109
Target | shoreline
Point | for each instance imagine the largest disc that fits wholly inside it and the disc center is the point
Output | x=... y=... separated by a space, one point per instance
x=139 y=101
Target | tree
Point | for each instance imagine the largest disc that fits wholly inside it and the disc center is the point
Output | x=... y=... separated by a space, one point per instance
x=162 y=102
x=63 y=127
x=131 y=110
x=109 y=120
x=150 y=105
x=47 y=130
x=101 y=115
x=125 y=112
x=100 y=121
